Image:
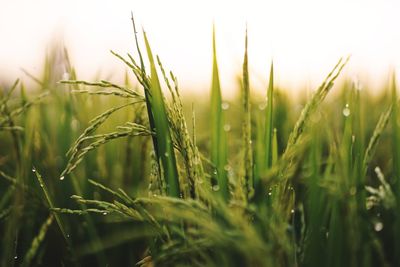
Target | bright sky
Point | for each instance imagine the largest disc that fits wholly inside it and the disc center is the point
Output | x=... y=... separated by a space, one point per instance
x=305 y=38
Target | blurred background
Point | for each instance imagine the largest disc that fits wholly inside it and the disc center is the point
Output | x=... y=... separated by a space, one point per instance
x=304 y=38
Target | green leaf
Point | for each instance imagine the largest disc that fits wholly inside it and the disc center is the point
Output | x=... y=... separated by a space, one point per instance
x=164 y=141
x=218 y=138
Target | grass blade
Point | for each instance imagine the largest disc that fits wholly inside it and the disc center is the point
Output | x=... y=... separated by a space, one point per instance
x=247 y=143
x=218 y=140
x=266 y=148
x=373 y=142
x=164 y=141
x=37 y=241
x=50 y=202
x=268 y=120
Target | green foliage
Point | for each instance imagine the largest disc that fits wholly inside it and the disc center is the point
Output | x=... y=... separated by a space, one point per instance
x=164 y=148
x=315 y=187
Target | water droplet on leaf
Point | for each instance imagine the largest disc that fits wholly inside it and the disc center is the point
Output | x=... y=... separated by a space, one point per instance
x=215 y=187
x=346 y=111
x=225 y=105
x=262 y=106
x=378 y=226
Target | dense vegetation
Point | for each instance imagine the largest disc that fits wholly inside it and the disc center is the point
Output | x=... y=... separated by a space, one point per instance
x=101 y=174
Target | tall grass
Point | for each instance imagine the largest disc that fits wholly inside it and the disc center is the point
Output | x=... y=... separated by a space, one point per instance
x=247 y=140
x=218 y=136
x=129 y=175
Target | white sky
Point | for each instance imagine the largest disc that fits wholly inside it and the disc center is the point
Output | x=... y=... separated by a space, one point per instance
x=305 y=38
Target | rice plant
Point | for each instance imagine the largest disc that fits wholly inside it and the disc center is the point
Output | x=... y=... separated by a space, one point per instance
x=135 y=173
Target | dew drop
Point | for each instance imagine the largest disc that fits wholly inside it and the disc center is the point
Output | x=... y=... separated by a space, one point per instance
x=378 y=226
x=346 y=111
x=292 y=211
x=262 y=106
x=33 y=170
x=15 y=257
x=104 y=213
x=225 y=105
x=269 y=194
x=62 y=178
x=227 y=167
x=227 y=127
